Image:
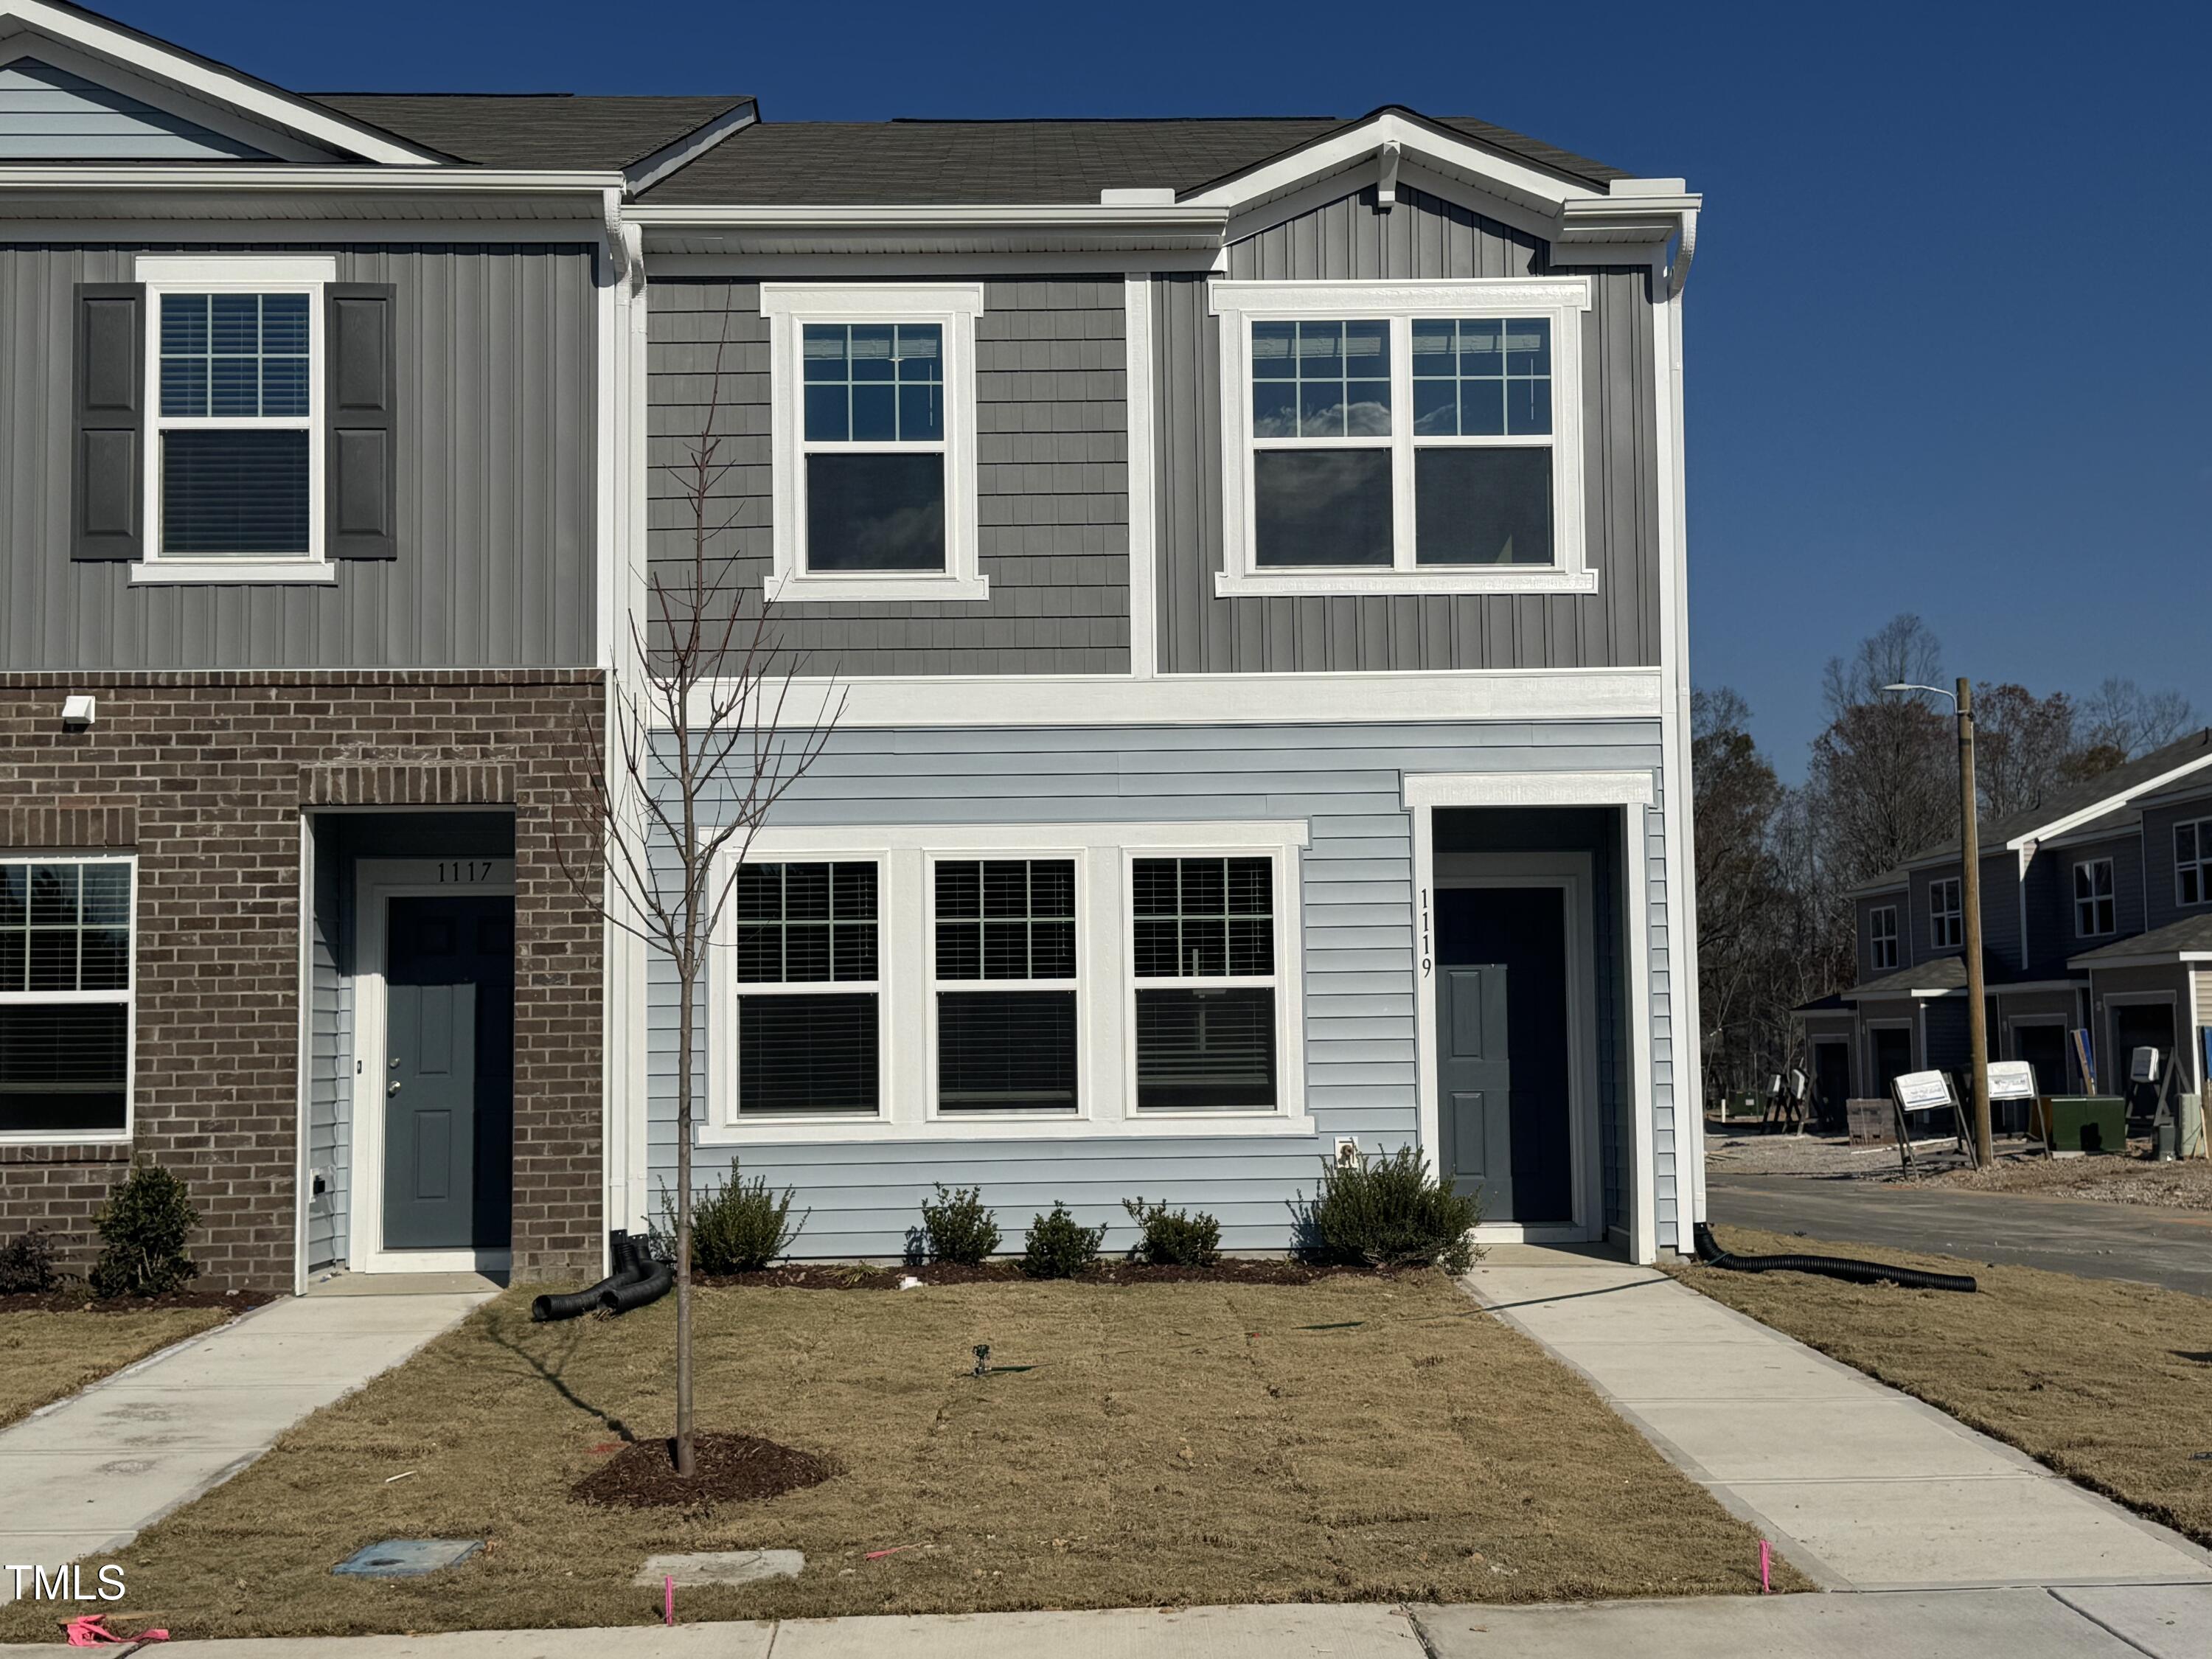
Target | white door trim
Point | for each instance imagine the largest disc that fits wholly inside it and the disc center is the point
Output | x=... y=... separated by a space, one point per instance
x=376 y=882
x=1569 y=874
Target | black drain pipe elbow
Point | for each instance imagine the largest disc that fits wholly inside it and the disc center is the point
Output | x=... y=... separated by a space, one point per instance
x=624 y=1252
x=654 y=1280
x=1828 y=1266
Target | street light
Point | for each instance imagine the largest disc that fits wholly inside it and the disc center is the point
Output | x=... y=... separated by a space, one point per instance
x=1970 y=896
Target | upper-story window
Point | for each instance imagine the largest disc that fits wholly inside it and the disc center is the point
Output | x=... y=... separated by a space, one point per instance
x=874 y=440
x=2093 y=906
x=1946 y=916
x=1387 y=437
x=1881 y=937
x=2192 y=862
x=234 y=458
x=65 y=998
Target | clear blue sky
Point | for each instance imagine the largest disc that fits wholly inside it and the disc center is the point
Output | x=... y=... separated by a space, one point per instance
x=1950 y=326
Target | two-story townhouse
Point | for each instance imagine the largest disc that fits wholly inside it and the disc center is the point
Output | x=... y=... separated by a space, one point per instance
x=2093 y=920
x=1260 y=648
x=308 y=489
x=1247 y=555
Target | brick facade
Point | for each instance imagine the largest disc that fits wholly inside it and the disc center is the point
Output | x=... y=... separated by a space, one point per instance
x=205 y=776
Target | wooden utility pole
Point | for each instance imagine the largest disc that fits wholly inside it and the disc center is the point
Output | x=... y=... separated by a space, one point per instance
x=1977 y=1021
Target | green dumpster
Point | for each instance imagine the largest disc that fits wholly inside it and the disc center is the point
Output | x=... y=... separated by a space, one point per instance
x=2083 y=1123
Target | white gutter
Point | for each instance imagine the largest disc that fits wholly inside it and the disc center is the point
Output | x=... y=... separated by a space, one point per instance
x=251 y=180
x=938 y=216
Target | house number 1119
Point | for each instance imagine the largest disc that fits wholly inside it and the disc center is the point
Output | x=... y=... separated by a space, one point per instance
x=477 y=870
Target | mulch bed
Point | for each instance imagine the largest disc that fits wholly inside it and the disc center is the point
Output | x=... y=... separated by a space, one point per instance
x=732 y=1469
x=851 y=1276
x=77 y=1300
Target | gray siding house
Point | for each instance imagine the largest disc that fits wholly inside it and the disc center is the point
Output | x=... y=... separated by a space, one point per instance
x=1244 y=557
x=2097 y=917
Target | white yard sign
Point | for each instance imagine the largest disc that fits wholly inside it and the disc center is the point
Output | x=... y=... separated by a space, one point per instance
x=1918 y=1090
x=2012 y=1079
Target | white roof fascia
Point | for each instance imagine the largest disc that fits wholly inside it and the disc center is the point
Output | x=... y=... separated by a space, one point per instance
x=648 y=171
x=209 y=81
x=1517 y=181
x=2117 y=797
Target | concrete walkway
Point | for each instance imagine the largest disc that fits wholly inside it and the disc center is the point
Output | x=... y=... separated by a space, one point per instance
x=1862 y=1487
x=2085 y=1235
x=2112 y=1623
x=86 y=1475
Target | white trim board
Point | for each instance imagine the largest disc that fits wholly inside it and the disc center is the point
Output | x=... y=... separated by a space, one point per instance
x=376 y=881
x=1144 y=574
x=989 y=701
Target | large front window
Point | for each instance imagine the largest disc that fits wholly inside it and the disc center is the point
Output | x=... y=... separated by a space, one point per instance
x=234 y=456
x=1005 y=983
x=1379 y=438
x=65 y=998
x=1204 y=948
x=808 y=1041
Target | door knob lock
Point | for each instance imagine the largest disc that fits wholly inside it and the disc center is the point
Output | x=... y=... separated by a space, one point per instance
x=391 y=1089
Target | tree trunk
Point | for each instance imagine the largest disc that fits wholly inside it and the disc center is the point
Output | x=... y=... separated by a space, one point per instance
x=687 y=975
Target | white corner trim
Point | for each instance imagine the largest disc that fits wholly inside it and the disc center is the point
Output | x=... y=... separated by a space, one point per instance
x=1528 y=789
x=1003 y=700
x=1144 y=575
x=234 y=269
x=1428 y=579
x=788 y=308
x=170 y=570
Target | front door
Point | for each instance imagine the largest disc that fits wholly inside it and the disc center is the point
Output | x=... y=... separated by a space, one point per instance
x=1831 y=1080
x=2044 y=1048
x=1893 y=1056
x=2139 y=1026
x=449 y=1072
x=1503 y=1100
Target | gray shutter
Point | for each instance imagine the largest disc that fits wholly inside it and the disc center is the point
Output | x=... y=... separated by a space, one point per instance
x=108 y=509
x=361 y=414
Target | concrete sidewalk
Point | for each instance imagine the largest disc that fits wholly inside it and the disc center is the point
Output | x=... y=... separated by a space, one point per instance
x=1862 y=1487
x=86 y=1475
x=2112 y=1623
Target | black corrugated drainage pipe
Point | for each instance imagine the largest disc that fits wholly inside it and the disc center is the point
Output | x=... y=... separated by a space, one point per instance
x=655 y=1279
x=630 y=1265
x=1829 y=1267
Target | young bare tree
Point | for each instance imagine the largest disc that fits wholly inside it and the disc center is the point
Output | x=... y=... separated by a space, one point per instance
x=708 y=730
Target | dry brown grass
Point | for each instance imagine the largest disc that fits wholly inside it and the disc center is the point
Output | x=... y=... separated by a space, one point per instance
x=45 y=1356
x=1355 y=1439
x=2184 y=1184
x=2108 y=1382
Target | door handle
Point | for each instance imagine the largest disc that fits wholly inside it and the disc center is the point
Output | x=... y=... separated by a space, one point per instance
x=391 y=1089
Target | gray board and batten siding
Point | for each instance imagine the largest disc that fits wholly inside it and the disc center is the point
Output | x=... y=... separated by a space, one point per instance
x=1344 y=781
x=1423 y=238
x=1051 y=480
x=498 y=464
x=1053 y=476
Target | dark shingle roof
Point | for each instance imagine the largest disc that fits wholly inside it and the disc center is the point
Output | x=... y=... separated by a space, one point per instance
x=1943 y=974
x=2189 y=934
x=532 y=130
x=830 y=163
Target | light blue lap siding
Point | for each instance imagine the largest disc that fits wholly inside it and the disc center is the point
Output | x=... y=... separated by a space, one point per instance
x=1343 y=781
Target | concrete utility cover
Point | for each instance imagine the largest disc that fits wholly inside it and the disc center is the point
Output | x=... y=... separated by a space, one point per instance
x=721 y=1567
x=407 y=1557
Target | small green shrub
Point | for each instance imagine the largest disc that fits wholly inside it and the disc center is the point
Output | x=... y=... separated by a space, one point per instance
x=1173 y=1238
x=26 y=1265
x=1058 y=1246
x=143 y=1229
x=958 y=1227
x=738 y=1227
x=1388 y=1211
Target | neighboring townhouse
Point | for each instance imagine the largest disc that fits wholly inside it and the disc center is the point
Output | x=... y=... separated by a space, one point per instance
x=1247 y=555
x=2095 y=916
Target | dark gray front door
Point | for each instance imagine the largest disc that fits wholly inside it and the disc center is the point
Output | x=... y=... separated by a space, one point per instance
x=1503 y=1094
x=1893 y=1056
x=1832 y=1079
x=449 y=977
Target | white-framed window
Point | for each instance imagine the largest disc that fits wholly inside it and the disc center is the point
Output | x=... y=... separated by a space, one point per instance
x=2094 y=907
x=1005 y=986
x=1881 y=937
x=66 y=1016
x=1007 y=992
x=809 y=987
x=1205 y=1022
x=234 y=455
x=2192 y=862
x=872 y=443
x=1383 y=437
x=1946 y=929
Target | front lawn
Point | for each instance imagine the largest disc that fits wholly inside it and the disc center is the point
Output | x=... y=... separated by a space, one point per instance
x=1357 y=1438
x=49 y=1351
x=2107 y=1383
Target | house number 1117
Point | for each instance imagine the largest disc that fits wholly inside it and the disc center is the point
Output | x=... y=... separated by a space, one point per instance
x=477 y=870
